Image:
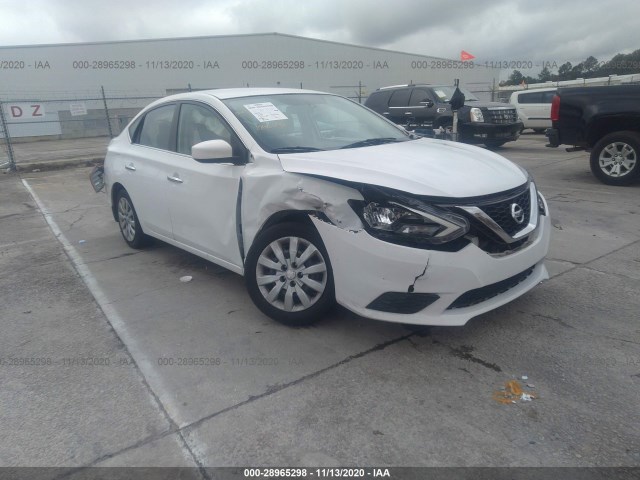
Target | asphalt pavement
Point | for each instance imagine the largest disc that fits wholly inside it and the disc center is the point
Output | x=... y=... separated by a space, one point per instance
x=108 y=359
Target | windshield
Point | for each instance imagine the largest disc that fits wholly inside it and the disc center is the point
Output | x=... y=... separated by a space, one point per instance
x=444 y=93
x=307 y=122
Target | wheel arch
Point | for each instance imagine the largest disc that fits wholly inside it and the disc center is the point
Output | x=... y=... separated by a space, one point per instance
x=115 y=189
x=604 y=126
x=286 y=216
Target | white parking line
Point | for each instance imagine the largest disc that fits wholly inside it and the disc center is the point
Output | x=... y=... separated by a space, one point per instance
x=146 y=365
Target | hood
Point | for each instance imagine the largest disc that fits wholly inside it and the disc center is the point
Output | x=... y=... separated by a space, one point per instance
x=422 y=167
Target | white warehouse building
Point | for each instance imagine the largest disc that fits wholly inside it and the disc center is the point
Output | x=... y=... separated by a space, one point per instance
x=64 y=82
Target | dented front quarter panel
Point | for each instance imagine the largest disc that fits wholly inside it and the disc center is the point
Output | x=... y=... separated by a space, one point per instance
x=268 y=190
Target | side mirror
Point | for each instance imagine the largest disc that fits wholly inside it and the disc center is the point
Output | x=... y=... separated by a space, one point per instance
x=213 y=151
x=427 y=103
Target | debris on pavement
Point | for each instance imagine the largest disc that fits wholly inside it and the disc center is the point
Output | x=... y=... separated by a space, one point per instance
x=512 y=392
x=186 y=278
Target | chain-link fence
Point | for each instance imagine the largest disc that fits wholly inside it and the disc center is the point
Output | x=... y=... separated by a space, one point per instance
x=6 y=150
x=49 y=125
x=29 y=124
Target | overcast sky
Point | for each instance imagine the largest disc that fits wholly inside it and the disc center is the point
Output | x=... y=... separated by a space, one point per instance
x=492 y=30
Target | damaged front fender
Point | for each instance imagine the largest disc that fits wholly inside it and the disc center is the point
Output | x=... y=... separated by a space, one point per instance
x=268 y=191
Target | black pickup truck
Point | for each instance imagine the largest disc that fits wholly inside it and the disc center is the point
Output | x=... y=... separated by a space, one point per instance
x=605 y=121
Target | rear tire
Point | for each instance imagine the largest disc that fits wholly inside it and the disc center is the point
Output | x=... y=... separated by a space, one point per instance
x=288 y=274
x=128 y=221
x=614 y=159
x=493 y=145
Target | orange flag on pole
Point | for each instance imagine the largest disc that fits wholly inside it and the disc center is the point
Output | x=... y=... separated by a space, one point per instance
x=464 y=56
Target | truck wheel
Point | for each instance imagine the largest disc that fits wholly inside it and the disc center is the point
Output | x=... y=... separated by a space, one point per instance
x=614 y=159
x=288 y=274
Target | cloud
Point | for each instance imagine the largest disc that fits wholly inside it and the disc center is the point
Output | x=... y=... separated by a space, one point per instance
x=492 y=30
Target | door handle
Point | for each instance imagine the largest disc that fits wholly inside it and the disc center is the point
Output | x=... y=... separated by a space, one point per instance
x=130 y=166
x=174 y=179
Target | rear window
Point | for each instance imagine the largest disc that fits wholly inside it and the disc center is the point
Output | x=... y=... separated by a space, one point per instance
x=400 y=98
x=378 y=101
x=156 y=128
x=536 y=97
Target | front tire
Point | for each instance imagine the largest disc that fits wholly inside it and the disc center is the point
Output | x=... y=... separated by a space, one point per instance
x=614 y=159
x=493 y=145
x=288 y=274
x=128 y=221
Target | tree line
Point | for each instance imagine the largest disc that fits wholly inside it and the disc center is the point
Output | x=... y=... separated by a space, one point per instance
x=620 y=64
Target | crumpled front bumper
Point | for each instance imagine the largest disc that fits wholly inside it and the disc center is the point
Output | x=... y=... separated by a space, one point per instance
x=364 y=268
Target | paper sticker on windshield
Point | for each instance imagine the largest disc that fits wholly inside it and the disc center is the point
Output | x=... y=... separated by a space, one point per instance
x=265 y=112
x=440 y=94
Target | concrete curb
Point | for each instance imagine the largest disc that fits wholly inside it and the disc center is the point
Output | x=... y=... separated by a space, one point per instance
x=58 y=164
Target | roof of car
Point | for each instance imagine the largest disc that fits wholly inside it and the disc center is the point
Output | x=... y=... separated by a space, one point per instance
x=431 y=85
x=533 y=90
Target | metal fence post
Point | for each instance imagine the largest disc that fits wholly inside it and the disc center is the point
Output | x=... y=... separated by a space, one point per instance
x=7 y=137
x=106 y=111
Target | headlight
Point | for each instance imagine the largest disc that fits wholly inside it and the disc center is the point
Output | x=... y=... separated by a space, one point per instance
x=427 y=223
x=476 y=115
x=542 y=206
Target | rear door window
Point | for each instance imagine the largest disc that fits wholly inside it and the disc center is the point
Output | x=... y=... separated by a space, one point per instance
x=157 y=128
x=400 y=98
x=533 y=97
x=547 y=97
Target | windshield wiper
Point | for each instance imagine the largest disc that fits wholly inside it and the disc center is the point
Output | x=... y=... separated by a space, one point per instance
x=296 y=149
x=372 y=141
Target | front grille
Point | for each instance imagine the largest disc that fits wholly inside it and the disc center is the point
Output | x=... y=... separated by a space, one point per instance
x=402 y=302
x=479 y=295
x=500 y=116
x=500 y=212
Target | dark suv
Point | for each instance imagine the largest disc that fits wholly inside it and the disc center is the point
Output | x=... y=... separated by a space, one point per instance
x=426 y=107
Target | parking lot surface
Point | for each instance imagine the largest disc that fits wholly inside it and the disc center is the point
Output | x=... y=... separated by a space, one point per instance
x=192 y=374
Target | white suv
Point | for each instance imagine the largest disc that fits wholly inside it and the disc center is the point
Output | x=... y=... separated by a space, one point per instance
x=534 y=107
x=316 y=199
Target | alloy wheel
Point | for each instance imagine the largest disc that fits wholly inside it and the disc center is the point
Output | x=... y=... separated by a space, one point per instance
x=126 y=219
x=617 y=159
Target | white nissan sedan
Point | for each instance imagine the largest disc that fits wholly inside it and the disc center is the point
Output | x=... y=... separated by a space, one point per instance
x=316 y=200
